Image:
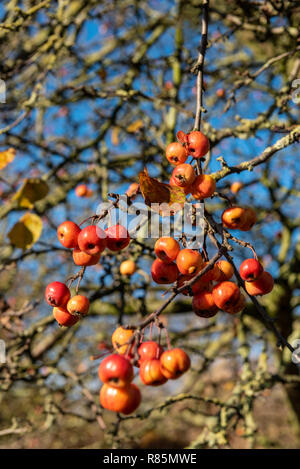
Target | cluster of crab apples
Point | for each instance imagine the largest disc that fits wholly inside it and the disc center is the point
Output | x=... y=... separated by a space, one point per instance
x=116 y=371
x=212 y=292
x=87 y=245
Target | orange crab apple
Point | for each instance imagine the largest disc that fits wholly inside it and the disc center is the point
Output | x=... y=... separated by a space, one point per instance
x=226 y=270
x=186 y=189
x=220 y=93
x=195 y=288
x=63 y=317
x=234 y=218
x=250 y=219
x=174 y=363
x=116 y=371
x=128 y=267
x=121 y=338
x=183 y=175
x=78 y=305
x=189 y=261
x=263 y=285
x=226 y=294
x=124 y=400
x=212 y=275
x=81 y=190
x=204 y=305
x=236 y=187
x=176 y=153
x=198 y=144
x=163 y=273
x=67 y=234
x=83 y=259
x=203 y=187
x=151 y=374
x=237 y=307
x=167 y=249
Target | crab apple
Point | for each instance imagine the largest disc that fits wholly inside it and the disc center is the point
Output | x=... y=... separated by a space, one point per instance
x=186 y=189
x=63 y=317
x=189 y=261
x=117 y=238
x=124 y=400
x=238 y=307
x=212 y=275
x=226 y=270
x=234 y=218
x=149 y=350
x=167 y=249
x=250 y=217
x=226 y=294
x=220 y=93
x=204 y=305
x=174 y=363
x=57 y=294
x=127 y=267
x=176 y=153
x=163 y=273
x=236 y=187
x=197 y=286
x=198 y=144
x=183 y=175
x=120 y=339
x=92 y=240
x=203 y=187
x=116 y=371
x=263 y=285
x=251 y=270
x=78 y=305
x=81 y=190
x=151 y=374
x=83 y=259
x=67 y=234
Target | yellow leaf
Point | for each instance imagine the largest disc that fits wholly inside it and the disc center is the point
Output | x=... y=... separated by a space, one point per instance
x=32 y=190
x=135 y=126
x=26 y=231
x=6 y=157
x=155 y=192
x=115 y=135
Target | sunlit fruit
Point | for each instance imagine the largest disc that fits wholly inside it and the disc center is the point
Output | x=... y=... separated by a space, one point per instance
x=116 y=371
x=167 y=249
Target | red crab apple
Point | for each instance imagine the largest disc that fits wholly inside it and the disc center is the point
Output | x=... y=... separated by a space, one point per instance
x=117 y=238
x=251 y=270
x=57 y=294
x=116 y=371
x=163 y=273
x=149 y=350
x=92 y=240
